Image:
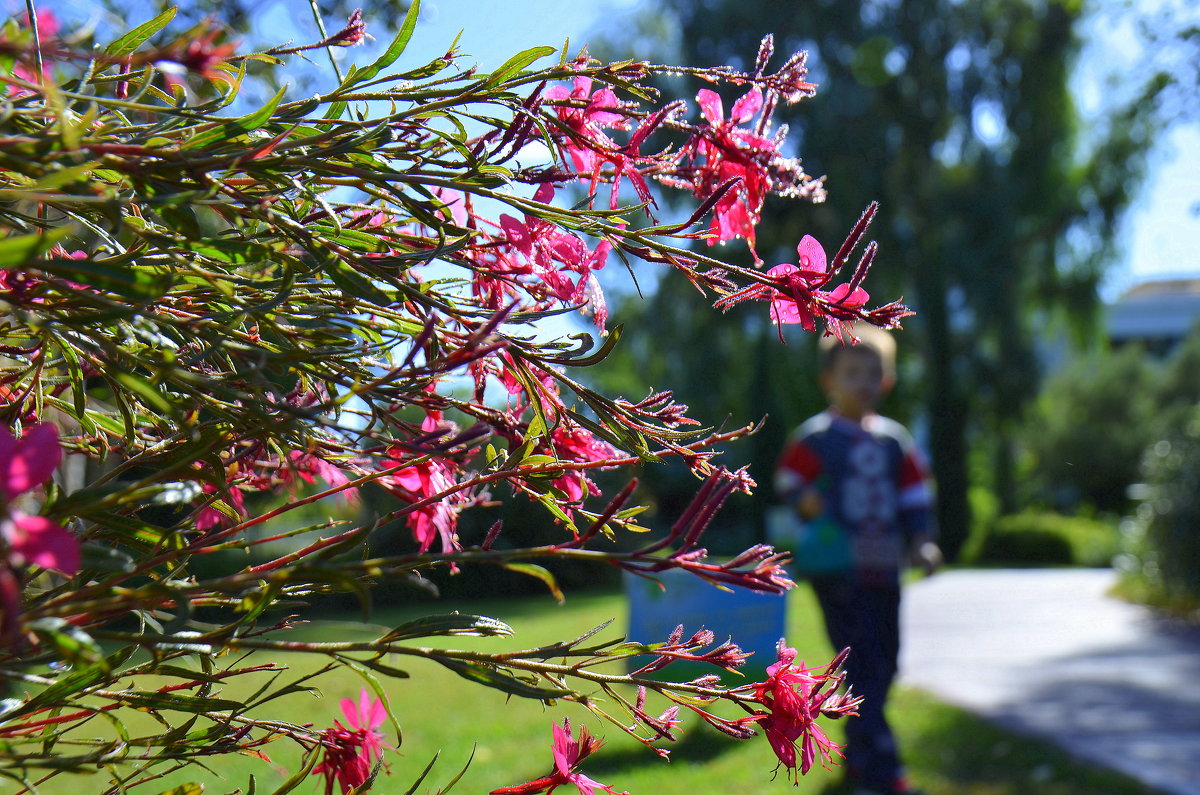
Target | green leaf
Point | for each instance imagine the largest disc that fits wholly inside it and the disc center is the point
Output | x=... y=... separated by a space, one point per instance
x=538 y=461
x=540 y=573
x=238 y=127
x=352 y=239
x=72 y=643
x=152 y=397
x=424 y=773
x=491 y=677
x=302 y=774
x=380 y=693
x=237 y=252
x=176 y=701
x=18 y=250
x=386 y=670
x=335 y=110
x=517 y=63
x=138 y=36
x=354 y=284
x=595 y=358
x=77 y=681
x=394 y=50
x=448 y=624
x=101 y=557
x=191 y=788
x=129 y=281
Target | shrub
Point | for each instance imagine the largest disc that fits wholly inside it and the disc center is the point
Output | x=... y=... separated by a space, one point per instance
x=1163 y=536
x=1087 y=434
x=1048 y=539
x=205 y=315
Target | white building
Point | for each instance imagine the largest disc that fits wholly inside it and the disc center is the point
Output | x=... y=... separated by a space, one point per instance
x=1157 y=314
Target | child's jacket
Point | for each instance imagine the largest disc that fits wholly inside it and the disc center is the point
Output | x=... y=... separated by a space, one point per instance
x=873 y=482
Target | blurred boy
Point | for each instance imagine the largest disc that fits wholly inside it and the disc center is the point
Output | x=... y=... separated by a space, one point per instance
x=863 y=473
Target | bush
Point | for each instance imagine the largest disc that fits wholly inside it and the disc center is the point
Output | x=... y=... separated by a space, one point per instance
x=1048 y=539
x=212 y=326
x=1163 y=555
x=1088 y=432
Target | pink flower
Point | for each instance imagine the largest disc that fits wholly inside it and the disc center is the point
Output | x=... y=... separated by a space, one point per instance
x=309 y=467
x=794 y=699
x=587 y=123
x=24 y=465
x=435 y=520
x=350 y=752
x=541 y=260
x=577 y=444
x=423 y=480
x=568 y=753
x=798 y=299
x=209 y=516
x=25 y=67
x=796 y=293
x=730 y=152
x=587 y=145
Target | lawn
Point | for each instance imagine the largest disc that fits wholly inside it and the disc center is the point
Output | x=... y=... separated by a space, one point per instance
x=949 y=751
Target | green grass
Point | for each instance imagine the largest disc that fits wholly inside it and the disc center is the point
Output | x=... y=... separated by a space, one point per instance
x=948 y=750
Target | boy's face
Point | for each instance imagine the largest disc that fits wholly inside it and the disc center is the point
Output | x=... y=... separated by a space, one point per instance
x=855 y=382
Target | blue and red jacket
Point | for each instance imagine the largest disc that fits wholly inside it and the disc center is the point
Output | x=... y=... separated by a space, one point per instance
x=873 y=483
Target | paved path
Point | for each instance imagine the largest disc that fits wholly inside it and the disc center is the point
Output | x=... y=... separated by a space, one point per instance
x=1048 y=653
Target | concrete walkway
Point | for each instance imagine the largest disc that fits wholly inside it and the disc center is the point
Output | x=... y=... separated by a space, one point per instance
x=1048 y=653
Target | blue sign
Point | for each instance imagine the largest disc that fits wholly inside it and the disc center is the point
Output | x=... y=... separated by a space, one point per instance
x=755 y=621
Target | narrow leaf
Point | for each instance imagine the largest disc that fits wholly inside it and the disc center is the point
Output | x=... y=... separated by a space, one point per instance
x=138 y=36
x=230 y=130
x=539 y=573
x=302 y=774
x=17 y=250
x=492 y=678
x=448 y=624
x=517 y=63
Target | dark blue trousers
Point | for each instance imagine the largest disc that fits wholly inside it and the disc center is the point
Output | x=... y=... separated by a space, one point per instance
x=867 y=619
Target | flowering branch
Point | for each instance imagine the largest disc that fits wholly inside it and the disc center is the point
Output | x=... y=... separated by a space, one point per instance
x=213 y=322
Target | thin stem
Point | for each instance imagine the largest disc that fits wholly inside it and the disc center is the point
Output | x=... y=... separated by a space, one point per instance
x=316 y=12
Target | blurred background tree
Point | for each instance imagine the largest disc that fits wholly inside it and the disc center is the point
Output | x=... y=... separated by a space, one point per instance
x=1000 y=209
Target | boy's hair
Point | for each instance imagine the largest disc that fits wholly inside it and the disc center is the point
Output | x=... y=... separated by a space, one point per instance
x=870 y=338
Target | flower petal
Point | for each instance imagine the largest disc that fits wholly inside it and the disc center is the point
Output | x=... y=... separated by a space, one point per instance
x=350 y=710
x=851 y=300
x=41 y=542
x=745 y=108
x=32 y=460
x=710 y=106
x=812 y=255
x=563 y=748
x=376 y=714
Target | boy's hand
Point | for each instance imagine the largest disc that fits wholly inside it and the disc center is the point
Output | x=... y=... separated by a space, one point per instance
x=809 y=504
x=926 y=555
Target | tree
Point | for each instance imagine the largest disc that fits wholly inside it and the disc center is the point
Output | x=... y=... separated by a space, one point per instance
x=997 y=210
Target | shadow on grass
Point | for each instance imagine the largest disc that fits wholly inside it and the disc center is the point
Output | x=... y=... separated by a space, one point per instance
x=949 y=750
x=698 y=744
